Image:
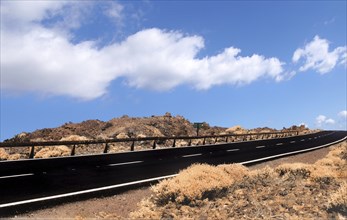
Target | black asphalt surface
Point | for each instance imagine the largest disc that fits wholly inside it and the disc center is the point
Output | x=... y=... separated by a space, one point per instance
x=107 y=170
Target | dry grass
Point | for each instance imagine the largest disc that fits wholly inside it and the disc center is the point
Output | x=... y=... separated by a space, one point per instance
x=57 y=151
x=3 y=154
x=289 y=191
x=338 y=200
x=6 y=156
x=198 y=182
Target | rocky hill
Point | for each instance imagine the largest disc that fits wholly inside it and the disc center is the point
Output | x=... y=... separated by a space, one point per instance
x=125 y=126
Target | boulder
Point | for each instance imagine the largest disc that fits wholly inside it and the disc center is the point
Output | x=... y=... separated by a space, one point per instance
x=122 y=136
x=141 y=136
x=236 y=130
x=74 y=138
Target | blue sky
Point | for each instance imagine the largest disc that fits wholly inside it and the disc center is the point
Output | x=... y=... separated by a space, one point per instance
x=249 y=63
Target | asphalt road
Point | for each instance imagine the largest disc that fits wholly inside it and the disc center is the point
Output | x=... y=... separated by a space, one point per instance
x=29 y=188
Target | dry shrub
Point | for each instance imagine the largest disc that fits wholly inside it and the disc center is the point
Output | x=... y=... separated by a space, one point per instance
x=3 y=154
x=181 y=143
x=118 y=147
x=296 y=170
x=331 y=161
x=323 y=175
x=262 y=177
x=122 y=135
x=334 y=165
x=338 y=200
x=338 y=151
x=290 y=191
x=74 y=138
x=56 y=151
x=6 y=156
x=80 y=148
x=198 y=182
x=14 y=157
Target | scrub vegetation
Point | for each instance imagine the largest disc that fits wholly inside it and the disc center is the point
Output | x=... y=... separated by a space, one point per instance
x=288 y=191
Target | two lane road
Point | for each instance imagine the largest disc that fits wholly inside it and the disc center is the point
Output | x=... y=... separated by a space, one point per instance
x=130 y=168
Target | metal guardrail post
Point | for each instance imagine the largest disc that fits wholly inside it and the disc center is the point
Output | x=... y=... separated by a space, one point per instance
x=32 y=152
x=174 y=143
x=204 y=141
x=190 y=142
x=154 y=144
x=106 y=148
x=132 y=148
x=73 y=150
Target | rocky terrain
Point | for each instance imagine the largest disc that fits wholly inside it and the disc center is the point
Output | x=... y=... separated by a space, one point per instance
x=123 y=127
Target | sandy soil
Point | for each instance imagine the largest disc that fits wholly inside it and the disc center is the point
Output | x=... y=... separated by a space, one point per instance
x=123 y=204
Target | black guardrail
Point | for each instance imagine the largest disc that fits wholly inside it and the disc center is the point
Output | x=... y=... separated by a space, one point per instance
x=155 y=140
x=14 y=167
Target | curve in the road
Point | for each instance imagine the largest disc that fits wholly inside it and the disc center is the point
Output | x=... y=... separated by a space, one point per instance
x=140 y=167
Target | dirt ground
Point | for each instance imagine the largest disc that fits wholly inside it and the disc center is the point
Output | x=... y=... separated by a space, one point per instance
x=123 y=204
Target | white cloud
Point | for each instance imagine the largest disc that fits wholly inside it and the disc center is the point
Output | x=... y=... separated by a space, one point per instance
x=322 y=120
x=343 y=114
x=114 y=10
x=42 y=59
x=316 y=55
x=17 y=13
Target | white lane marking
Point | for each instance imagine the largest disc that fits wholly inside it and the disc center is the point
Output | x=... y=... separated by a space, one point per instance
x=260 y=146
x=279 y=144
x=126 y=163
x=232 y=150
x=315 y=137
x=302 y=139
x=292 y=142
x=193 y=155
x=310 y=138
x=14 y=176
x=290 y=153
x=84 y=191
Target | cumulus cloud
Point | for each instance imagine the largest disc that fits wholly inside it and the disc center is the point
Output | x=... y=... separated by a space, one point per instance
x=343 y=114
x=322 y=120
x=316 y=56
x=40 y=58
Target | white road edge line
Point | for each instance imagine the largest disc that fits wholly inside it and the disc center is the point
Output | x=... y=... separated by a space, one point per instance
x=14 y=176
x=192 y=155
x=125 y=163
x=260 y=146
x=279 y=144
x=232 y=150
x=294 y=152
x=84 y=191
x=292 y=142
